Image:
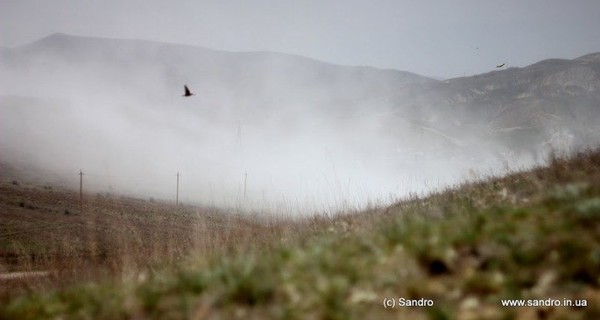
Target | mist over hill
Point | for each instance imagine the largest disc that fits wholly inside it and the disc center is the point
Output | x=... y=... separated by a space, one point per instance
x=276 y=130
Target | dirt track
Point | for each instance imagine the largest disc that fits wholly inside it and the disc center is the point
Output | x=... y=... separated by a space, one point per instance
x=23 y=275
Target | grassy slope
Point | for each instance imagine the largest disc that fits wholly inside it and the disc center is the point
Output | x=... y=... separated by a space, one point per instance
x=532 y=235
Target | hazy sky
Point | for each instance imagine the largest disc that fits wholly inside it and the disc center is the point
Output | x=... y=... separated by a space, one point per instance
x=436 y=38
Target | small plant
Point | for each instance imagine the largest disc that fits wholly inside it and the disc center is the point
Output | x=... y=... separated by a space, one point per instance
x=589 y=209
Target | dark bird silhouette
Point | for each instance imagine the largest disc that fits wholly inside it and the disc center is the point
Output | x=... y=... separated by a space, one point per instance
x=501 y=65
x=187 y=91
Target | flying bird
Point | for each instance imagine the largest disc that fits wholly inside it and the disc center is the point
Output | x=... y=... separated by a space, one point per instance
x=501 y=65
x=187 y=91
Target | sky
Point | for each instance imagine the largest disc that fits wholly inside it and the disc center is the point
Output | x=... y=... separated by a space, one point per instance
x=442 y=39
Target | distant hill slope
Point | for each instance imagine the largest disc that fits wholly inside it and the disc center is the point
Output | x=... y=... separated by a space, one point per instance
x=158 y=70
x=546 y=103
x=94 y=102
x=541 y=99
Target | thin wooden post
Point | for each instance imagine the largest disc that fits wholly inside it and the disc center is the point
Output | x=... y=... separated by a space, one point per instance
x=245 y=180
x=177 y=193
x=80 y=191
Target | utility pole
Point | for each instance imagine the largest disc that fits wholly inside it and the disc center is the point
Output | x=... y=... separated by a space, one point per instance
x=177 y=194
x=80 y=191
x=245 y=180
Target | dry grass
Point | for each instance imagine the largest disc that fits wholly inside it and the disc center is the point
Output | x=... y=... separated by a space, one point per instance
x=533 y=234
x=41 y=228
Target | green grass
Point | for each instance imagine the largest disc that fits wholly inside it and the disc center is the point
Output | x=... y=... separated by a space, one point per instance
x=530 y=235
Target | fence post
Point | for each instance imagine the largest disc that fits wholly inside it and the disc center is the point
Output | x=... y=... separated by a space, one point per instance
x=80 y=191
x=245 y=180
x=177 y=192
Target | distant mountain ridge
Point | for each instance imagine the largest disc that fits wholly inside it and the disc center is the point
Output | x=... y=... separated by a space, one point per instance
x=517 y=108
x=554 y=95
x=205 y=67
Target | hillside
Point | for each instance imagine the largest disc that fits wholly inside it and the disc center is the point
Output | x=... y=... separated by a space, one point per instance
x=160 y=69
x=550 y=94
x=553 y=102
x=114 y=108
x=530 y=235
x=297 y=128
